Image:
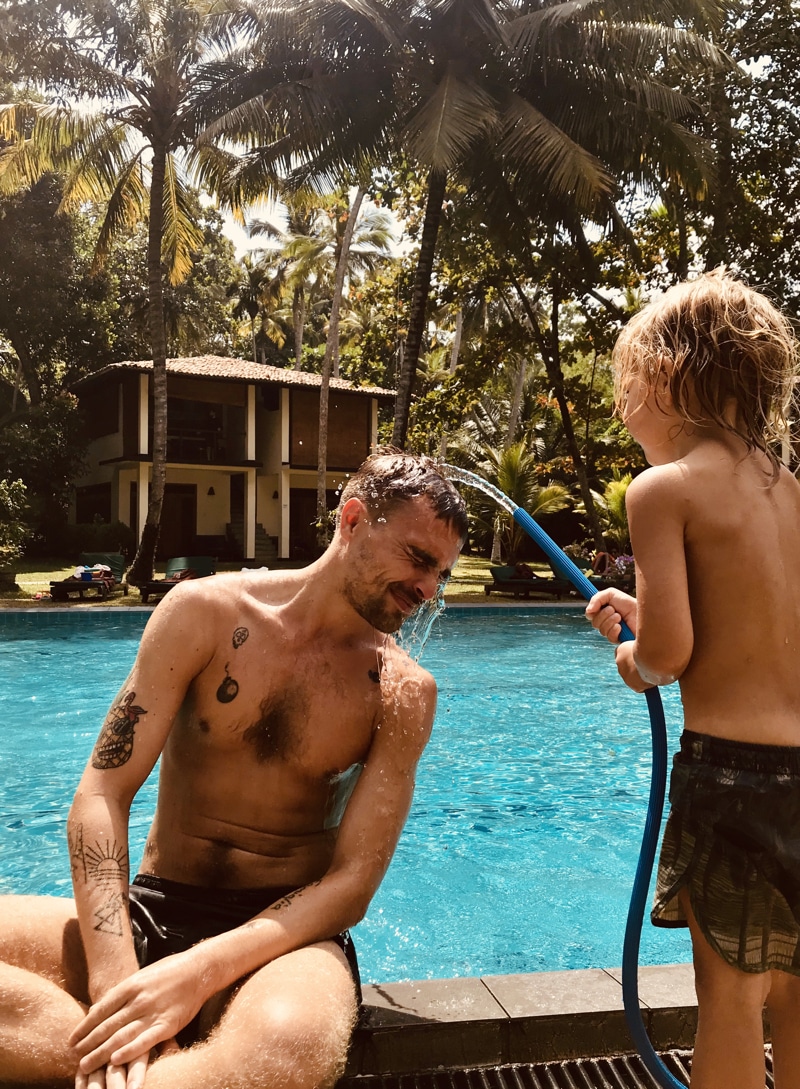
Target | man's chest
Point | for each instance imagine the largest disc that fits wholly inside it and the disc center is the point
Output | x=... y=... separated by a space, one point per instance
x=307 y=711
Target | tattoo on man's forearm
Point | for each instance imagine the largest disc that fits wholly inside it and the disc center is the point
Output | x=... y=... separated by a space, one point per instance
x=107 y=864
x=111 y=915
x=287 y=899
x=239 y=636
x=77 y=859
x=115 y=744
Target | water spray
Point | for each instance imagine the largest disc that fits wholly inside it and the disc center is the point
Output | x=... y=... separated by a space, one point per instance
x=658 y=731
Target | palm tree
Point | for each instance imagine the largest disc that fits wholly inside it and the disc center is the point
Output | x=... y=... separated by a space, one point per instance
x=257 y=286
x=153 y=67
x=514 y=470
x=310 y=243
x=540 y=108
x=613 y=512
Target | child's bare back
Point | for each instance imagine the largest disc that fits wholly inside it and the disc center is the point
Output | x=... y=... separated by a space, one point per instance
x=741 y=587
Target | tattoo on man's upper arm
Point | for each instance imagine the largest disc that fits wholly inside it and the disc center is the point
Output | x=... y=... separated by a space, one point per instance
x=111 y=915
x=115 y=744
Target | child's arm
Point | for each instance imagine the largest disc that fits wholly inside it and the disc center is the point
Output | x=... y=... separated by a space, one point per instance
x=656 y=503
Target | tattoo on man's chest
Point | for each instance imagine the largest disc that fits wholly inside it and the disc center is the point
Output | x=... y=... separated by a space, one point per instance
x=115 y=744
x=229 y=689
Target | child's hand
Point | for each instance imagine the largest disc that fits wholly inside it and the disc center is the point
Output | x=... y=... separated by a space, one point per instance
x=608 y=609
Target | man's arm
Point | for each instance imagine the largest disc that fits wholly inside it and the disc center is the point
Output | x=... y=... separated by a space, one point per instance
x=171 y=653
x=366 y=841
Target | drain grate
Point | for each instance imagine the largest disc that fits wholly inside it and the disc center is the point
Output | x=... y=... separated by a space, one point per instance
x=619 y=1072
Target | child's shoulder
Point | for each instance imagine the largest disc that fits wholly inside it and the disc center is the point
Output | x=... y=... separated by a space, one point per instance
x=659 y=483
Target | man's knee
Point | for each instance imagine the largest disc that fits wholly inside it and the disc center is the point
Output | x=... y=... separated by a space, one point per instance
x=289 y=1042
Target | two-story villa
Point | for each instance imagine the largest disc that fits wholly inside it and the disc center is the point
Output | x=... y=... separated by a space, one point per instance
x=241 y=453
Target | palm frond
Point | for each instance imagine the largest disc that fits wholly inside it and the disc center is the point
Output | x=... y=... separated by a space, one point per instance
x=97 y=153
x=536 y=147
x=452 y=118
x=182 y=237
x=126 y=206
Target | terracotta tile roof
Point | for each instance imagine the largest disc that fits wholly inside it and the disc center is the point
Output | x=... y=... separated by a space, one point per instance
x=241 y=370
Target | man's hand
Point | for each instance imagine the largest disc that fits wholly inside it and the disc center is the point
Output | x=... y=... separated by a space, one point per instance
x=115 y=1077
x=608 y=609
x=146 y=1009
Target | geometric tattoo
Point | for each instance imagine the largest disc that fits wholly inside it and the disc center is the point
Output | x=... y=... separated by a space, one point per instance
x=115 y=744
x=111 y=915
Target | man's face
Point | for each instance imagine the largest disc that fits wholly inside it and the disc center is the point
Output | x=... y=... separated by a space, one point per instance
x=399 y=561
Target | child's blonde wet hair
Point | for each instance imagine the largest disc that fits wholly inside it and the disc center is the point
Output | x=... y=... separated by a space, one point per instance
x=720 y=345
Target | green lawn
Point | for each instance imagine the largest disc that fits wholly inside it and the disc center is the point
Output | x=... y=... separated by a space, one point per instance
x=33 y=577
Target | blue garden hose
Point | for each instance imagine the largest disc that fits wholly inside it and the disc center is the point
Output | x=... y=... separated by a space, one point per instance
x=644 y=868
x=658 y=731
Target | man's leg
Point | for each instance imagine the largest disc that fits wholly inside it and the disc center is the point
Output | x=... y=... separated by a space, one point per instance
x=41 y=968
x=287 y=1027
x=783 y=1003
x=729 y=1045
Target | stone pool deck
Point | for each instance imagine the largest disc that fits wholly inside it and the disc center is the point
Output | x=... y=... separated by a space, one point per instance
x=455 y=1024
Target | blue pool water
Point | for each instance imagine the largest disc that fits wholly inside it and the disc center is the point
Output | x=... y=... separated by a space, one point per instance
x=521 y=846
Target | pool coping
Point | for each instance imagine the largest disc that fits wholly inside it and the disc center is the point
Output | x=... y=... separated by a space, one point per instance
x=426 y=1025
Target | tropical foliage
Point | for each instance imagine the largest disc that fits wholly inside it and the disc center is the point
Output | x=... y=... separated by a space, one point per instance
x=516 y=180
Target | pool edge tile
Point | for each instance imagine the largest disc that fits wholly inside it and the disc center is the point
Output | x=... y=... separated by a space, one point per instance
x=526 y=1018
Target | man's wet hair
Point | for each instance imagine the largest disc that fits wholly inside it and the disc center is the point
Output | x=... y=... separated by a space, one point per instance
x=719 y=343
x=390 y=477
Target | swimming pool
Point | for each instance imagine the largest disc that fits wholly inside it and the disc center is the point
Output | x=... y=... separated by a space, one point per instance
x=521 y=845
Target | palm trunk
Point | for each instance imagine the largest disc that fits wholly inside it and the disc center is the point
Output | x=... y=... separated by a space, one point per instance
x=144 y=561
x=437 y=185
x=26 y=368
x=331 y=354
x=721 y=206
x=516 y=403
x=298 y=321
x=551 y=355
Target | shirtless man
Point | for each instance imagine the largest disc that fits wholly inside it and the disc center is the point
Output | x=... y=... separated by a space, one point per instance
x=264 y=695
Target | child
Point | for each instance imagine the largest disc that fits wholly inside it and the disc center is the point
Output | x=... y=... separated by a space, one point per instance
x=703 y=380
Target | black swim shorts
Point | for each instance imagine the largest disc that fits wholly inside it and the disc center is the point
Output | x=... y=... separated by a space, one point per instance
x=168 y=917
x=733 y=841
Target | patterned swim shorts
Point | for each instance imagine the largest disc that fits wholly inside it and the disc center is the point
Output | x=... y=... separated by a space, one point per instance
x=733 y=841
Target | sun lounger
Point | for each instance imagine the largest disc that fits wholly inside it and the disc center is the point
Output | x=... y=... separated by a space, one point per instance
x=521 y=581
x=97 y=573
x=179 y=568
